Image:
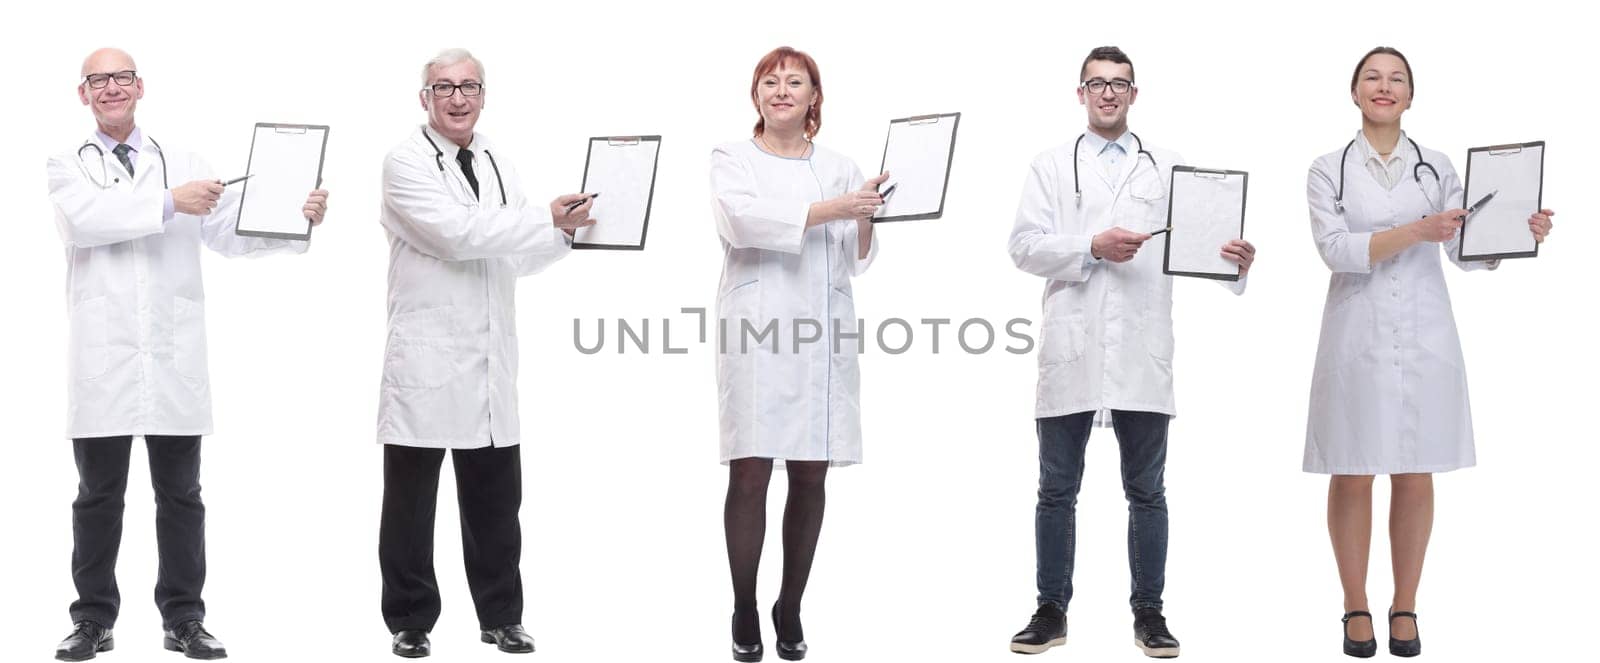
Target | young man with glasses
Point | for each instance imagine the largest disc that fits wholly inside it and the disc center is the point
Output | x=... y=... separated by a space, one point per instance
x=1105 y=355
x=133 y=215
x=461 y=230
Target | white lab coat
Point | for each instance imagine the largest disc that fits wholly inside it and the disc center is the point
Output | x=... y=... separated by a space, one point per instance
x=137 y=349
x=450 y=362
x=1106 y=342
x=1389 y=390
x=782 y=404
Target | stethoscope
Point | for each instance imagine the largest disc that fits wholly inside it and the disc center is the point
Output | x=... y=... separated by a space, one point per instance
x=1078 y=190
x=438 y=157
x=1416 y=172
x=105 y=180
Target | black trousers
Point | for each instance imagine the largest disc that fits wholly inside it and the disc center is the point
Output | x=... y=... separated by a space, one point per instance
x=97 y=526
x=489 y=494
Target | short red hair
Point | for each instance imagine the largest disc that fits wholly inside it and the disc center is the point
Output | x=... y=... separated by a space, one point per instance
x=780 y=56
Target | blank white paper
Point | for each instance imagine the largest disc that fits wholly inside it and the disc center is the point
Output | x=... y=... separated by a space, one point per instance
x=917 y=158
x=285 y=163
x=1207 y=212
x=623 y=173
x=1501 y=225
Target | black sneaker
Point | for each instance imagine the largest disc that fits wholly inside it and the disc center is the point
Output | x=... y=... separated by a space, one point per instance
x=1047 y=629
x=1151 y=635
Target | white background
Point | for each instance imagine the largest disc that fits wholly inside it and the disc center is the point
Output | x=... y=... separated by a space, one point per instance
x=927 y=552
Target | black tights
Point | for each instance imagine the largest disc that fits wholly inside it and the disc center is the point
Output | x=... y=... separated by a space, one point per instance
x=744 y=520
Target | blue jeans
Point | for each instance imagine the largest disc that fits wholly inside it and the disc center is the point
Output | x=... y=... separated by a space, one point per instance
x=1142 y=437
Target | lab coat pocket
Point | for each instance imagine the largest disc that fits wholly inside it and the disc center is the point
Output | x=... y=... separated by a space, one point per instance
x=1350 y=324
x=1436 y=325
x=1062 y=339
x=1158 y=336
x=423 y=349
x=88 y=345
x=739 y=302
x=189 y=338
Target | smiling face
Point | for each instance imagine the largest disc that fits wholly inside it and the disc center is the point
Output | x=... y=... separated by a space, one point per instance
x=1108 y=111
x=454 y=116
x=113 y=104
x=1382 y=88
x=784 y=96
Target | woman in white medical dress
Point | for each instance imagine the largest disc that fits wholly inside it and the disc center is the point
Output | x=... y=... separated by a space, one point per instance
x=794 y=220
x=1389 y=391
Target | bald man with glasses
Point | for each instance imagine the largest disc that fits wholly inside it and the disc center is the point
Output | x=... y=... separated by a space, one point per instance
x=133 y=215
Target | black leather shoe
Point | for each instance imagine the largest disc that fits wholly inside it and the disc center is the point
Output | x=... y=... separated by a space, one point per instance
x=192 y=639
x=1150 y=634
x=1047 y=629
x=1406 y=648
x=794 y=648
x=510 y=639
x=87 y=639
x=745 y=653
x=411 y=643
x=1358 y=649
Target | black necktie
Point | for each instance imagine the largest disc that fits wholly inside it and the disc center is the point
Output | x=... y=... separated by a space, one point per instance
x=122 y=150
x=464 y=157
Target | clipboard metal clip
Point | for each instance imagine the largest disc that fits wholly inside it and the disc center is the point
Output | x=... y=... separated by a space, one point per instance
x=622 y=140
x=1502 y=150
x=924 y=119
x=1209 y=174
x=289 y=130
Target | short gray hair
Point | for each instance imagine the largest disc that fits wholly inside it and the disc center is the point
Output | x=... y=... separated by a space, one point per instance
x=449 y=57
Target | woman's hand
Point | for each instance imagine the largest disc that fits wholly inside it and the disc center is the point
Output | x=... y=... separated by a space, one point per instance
x=1441 y=227
x=1540 y=224
x=1241 y=253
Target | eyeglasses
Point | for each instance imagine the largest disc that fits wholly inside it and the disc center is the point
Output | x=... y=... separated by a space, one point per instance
x=123 y=78
x=1098 y=85
x=447 y=90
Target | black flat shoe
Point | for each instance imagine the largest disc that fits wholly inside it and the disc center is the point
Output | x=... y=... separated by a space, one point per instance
x=788 y=650
x=411 y=643
x=1361 y=649
x=86 y=640
x=1405 y=648
x=746 y=653
x=194 y=641
x=510 y=639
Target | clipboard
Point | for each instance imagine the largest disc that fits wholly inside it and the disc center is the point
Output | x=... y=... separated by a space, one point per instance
x=1515 y=172
x=918 y=154
x=622 y=169
x=1212 y=213
x=280 y=166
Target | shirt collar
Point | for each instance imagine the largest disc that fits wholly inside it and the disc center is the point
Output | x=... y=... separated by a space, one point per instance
x=1098 y=145
x=1369 y=153
x=135 y=139
x=449 y=147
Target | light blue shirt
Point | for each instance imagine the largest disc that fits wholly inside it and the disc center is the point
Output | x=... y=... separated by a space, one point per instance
x=135 y=139
x=1110 y=154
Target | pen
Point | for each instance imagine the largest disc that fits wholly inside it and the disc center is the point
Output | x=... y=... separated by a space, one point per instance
x=1158 y=232
x=237 y=180
x=888 y=192
x=1477 y=205
x=576 y=205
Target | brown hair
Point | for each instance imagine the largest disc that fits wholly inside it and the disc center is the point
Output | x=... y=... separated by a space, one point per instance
x=1109 y=54
x=780 y=56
